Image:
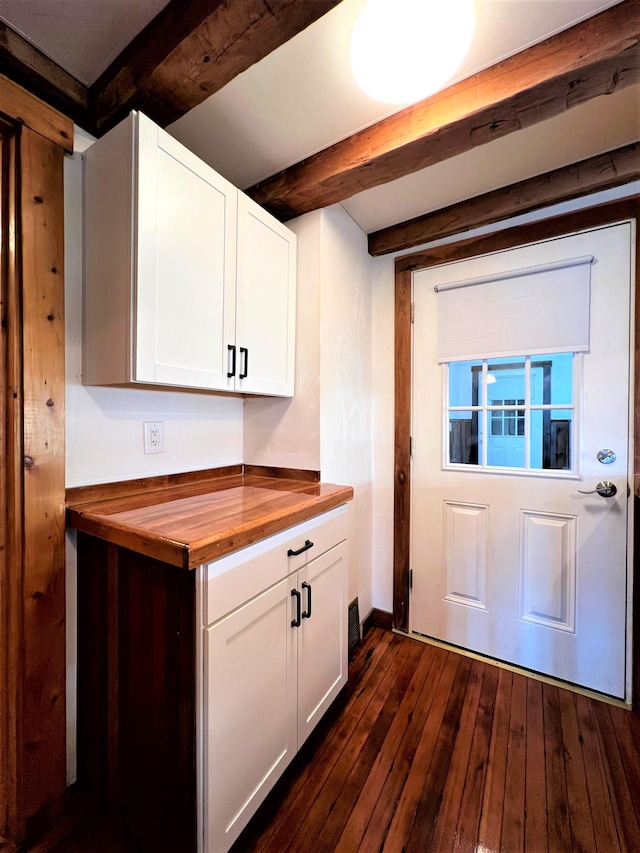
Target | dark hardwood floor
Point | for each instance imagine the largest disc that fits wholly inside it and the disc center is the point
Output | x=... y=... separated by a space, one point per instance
x=431 y=751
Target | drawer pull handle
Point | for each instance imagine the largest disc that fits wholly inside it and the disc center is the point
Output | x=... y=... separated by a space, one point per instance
x=295 y=623
x=308 y=544
x=307 y=613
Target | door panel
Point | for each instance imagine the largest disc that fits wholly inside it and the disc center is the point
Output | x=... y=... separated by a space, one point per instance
x=519 y=564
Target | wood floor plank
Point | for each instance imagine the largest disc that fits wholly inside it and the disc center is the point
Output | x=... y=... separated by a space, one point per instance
x=378 y=827
x=329 y=812
x=621 y=720
x=634 y=723
x=423 y=788
x=490 y=828
x=622 y=798
x=466 y=836
x=556 y=783
x=427 y=813
x=445 y=831
x=581 y=821
x=604 y=824
x=368 y=823
x=535 y=825
x=513 y=817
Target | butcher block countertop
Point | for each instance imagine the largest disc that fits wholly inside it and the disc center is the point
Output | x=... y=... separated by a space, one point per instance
x=190 y=519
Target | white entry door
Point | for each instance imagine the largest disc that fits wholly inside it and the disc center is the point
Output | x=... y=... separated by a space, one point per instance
x=512 y=423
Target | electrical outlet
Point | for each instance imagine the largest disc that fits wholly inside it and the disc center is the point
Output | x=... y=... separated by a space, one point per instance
x=153 y=436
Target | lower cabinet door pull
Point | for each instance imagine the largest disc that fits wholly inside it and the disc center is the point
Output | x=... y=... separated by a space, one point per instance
x=295 y=623
x=306 y=614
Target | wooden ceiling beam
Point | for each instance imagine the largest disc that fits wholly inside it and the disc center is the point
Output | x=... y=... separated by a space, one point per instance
x=592 y=175
x=32 y=70
x=594 y=58
x=24 y=108
x=192 y=49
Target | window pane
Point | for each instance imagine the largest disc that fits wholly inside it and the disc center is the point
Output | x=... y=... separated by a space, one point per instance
x=517 y=416
x=505 y=379
x=463 y=437
x=551 y=440
x=552 y=379
x=464 y=383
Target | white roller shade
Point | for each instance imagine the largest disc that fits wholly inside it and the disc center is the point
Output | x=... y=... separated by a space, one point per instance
x=542 y=309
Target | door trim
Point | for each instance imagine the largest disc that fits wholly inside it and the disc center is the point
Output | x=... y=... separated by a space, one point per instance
x=405 y=266
x=32 y=502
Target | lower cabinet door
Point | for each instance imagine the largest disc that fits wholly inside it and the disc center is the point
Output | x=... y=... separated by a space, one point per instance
x=249 y=725
x=322 y=636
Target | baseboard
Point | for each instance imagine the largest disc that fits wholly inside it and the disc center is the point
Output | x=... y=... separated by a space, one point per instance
x=377 y=619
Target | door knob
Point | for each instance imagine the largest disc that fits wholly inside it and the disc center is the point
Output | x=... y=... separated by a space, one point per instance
x=605 y=489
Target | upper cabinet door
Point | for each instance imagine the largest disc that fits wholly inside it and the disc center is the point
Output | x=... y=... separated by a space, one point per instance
x=265 y=302
x=185 y=265
x=160 y=262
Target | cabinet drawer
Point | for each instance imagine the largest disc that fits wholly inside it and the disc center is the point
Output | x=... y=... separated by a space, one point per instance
x=324 y=532
x=239 y=577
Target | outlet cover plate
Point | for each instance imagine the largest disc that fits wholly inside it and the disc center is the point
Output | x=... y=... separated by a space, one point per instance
x=153 y=436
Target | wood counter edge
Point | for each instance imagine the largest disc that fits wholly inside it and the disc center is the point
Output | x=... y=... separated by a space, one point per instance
x=190 y=555
x=216 y=477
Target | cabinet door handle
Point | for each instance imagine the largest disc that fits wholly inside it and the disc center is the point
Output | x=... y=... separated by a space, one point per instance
x=295 y=623
x=308 y=544
x=307 y=613
x=231 y=348
x=244 y=373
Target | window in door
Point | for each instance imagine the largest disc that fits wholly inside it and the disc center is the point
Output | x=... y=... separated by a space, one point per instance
x=511 y=413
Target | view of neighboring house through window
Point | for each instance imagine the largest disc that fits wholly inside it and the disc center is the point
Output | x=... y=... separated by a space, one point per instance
x=513 y=412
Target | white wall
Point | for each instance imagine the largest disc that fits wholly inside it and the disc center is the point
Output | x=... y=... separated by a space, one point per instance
x=346 y=380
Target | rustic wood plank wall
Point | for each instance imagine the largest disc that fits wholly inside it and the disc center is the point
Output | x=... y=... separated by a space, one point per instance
x=32 y=597
x=43 y=709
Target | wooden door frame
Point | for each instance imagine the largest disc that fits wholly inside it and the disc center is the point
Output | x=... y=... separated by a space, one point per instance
x=32 y=502
x=470 y=247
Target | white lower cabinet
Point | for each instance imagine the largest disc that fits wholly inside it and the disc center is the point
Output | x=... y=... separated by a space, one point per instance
x=273 y=658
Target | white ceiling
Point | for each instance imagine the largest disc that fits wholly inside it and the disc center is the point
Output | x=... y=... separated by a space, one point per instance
x=302 y=97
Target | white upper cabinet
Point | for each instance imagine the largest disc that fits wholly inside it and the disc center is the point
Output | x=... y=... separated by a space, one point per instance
x=163 y=246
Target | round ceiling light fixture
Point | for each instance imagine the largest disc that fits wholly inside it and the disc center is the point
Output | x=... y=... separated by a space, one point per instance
x=405 y=50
